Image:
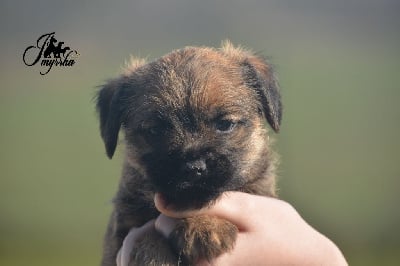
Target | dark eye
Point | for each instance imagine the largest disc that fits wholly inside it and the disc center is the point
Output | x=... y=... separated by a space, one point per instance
x=225 y=126
x=154 y=131
x=157 y=130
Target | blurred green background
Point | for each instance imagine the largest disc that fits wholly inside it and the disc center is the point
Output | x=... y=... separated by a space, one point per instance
x=339 y=66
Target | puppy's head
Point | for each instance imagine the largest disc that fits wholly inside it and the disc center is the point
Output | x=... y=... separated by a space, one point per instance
x=194 y=121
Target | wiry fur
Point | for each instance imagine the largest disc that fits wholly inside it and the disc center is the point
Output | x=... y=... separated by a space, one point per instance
x=194 y=124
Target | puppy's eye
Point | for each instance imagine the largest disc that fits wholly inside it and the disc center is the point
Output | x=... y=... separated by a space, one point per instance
x=155 y=131
x=225 y=126
x=152 y=130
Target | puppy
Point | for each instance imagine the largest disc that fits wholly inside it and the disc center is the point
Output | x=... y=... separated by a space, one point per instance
x=194 y=123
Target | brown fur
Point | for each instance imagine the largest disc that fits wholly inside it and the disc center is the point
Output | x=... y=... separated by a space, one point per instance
x=194 y=124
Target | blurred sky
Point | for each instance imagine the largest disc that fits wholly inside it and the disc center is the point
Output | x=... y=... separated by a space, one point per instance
x=338 y=63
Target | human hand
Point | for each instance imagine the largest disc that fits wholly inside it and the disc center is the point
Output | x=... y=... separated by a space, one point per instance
x=271 y=232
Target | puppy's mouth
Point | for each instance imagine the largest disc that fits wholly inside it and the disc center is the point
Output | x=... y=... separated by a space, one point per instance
x=190 y=192
x=192 y=183
x=189 y=195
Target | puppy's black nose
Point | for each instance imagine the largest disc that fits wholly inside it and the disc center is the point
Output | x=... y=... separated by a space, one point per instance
x=196 y=168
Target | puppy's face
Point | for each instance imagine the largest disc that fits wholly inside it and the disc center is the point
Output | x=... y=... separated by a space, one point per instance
x=193 y=121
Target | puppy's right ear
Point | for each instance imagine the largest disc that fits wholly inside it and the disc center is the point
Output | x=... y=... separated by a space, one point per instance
x=110 y=112
x=112 y=104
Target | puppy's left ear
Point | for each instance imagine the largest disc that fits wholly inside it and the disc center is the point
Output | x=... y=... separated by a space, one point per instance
x=110 y=110
x=259 y=75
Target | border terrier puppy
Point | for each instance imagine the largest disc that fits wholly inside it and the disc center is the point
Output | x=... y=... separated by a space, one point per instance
x=194 y=123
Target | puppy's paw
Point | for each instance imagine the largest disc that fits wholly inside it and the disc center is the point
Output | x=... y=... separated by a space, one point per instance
x=203 y=237
x=154 y=250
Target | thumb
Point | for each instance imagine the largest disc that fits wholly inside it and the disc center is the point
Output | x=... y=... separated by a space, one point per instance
x=165 y=225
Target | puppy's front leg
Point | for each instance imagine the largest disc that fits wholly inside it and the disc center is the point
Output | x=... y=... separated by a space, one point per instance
x=203 y=237
x=153 y=250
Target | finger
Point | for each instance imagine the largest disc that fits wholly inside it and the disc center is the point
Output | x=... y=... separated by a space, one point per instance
x=232 y=206
x=168 y=210
x=129 y=241
x=236 y=207
x=165 y=225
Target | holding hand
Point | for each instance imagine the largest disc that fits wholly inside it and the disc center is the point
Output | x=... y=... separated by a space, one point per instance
x=271 y=232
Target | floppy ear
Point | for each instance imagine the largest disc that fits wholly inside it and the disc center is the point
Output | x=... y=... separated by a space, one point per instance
x=258 y=74
x=110 y=109
x=112 y=104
